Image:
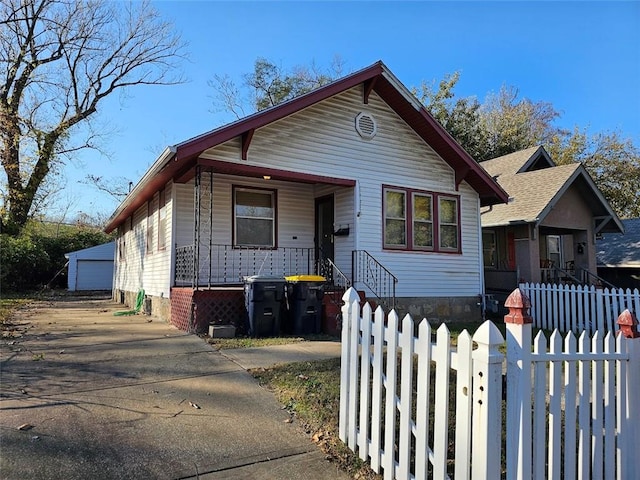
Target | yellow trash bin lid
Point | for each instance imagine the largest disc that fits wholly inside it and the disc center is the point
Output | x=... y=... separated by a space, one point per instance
x=305 y=278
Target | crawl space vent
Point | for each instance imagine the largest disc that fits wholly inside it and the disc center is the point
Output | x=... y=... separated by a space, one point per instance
x=366 y=125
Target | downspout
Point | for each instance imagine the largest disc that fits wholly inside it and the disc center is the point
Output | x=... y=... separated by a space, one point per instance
x=481 y=258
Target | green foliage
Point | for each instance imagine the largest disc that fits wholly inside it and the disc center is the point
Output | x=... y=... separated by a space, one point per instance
x=504 y=124
x=612 y=162
x=31 y=260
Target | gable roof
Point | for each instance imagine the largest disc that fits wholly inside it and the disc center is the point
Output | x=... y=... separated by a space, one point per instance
x=616 y=250
x=176 y=161
x=517 y=162
x=535 y=184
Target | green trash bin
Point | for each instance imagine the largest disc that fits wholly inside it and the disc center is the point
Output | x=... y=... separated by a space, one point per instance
x=264 y=300
x=304 y=301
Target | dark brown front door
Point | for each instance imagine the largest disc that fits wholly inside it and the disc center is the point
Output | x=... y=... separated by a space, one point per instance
x=324 y=228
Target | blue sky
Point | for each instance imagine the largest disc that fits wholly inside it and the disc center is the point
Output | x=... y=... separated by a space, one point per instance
x=582 y=57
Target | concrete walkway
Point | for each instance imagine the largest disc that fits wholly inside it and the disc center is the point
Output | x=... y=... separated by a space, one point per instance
x=86 y=394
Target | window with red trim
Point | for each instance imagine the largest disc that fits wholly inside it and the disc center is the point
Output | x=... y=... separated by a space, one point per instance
x=420 y=220
x=254 y=217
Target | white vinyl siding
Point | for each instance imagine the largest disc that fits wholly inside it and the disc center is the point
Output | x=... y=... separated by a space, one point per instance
x=139 y=269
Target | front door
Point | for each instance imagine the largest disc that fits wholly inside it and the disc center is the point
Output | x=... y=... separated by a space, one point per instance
x=324 y=232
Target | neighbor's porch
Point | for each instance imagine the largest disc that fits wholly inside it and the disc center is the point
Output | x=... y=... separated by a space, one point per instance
x=544 y=254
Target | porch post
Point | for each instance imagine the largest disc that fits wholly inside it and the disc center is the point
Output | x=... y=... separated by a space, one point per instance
x=196 y=226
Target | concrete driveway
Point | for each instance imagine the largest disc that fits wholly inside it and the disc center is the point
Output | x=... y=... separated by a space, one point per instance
x=86 y=394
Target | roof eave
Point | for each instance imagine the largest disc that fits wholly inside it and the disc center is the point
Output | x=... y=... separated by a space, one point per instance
x=133 y=200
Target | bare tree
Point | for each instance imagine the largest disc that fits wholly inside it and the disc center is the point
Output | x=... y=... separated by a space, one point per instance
x=58 y=60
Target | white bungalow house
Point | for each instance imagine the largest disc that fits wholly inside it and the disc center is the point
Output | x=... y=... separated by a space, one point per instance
x=354 y=180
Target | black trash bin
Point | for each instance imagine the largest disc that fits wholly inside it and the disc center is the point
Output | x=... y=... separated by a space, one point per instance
x=264 y=299
x=304 y=299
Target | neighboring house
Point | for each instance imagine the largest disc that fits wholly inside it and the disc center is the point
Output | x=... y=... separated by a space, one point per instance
x=354 y=180
x=91 y=268
x=547 y=231
x=619 y=255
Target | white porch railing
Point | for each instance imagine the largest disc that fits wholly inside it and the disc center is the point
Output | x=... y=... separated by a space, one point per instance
x=575 y=308
x=399 y=392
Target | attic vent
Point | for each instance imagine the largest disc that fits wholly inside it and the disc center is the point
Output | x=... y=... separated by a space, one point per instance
x=366 y=125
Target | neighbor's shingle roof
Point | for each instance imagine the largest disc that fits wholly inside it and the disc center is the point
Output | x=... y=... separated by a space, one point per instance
x=509 y=164
x=618 y=250
x=529 y=193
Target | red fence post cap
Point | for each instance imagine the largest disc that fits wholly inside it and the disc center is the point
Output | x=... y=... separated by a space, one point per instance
x=518 y=304
x=628 y=324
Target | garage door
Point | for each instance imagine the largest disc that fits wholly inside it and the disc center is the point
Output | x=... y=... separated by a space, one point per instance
x=95 y=275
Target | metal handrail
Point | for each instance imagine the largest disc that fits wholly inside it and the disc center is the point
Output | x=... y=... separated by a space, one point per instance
x=598 y=281
x=375 y=276
x=221 y=264
x=333 y=274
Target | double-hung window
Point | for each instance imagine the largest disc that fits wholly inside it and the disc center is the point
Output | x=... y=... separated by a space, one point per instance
x=254 y=217
x=420 y=221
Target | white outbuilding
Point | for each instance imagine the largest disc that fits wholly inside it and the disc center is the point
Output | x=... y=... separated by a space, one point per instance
x=91 y=268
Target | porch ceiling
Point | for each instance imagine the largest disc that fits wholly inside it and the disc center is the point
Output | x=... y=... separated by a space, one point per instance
x=255 y=171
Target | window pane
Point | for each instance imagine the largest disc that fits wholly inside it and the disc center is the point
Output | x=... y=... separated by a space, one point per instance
x=422 y=234
x=254 y=204
x=449 y=236
x=394 y=205
x=394 y=232
x=253 y=232
x=422 y=207
x=448 y=213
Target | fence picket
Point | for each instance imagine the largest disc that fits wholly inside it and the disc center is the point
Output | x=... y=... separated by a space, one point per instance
x=555 y=408
x=365 y=364
x=609 y=409
x=441 y=355
x=422 y=399
x=376 y=389
x=539 y=408
x=463 y=406
x=354 y=361
x=597 y=410
x=570 y=376
x=388 y=456
x=406 y=387
x=584 y=410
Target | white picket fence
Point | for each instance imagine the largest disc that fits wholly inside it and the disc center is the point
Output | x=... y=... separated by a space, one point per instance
x=578 y=308
x=570 y=410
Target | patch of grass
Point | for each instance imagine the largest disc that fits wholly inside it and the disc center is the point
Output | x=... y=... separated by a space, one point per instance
x=10 y=305
x=310 y=391
x=250 y=342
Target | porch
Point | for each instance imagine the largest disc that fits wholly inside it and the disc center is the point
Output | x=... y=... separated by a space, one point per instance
x=211 y=289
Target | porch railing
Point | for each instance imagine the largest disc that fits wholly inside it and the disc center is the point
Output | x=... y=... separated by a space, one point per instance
x=373 y=275
x=226 y=264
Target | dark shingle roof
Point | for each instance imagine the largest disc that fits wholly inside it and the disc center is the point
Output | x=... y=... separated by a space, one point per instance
x=529 y=195
x=621 y=250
